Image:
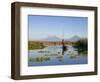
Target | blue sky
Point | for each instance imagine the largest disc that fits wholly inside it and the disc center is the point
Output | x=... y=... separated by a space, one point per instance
x=40 y=27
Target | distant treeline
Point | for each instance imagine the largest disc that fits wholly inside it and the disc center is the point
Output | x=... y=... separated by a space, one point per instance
x=35 y=45
x=81 y=45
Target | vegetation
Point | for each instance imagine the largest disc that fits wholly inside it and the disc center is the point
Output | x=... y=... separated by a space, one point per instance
x=81 y=45
x=59 y=57
x=39 y=59
x=35 y=45
x=73 y=57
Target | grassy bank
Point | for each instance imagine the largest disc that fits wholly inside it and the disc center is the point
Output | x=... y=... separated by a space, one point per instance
x=35 y=45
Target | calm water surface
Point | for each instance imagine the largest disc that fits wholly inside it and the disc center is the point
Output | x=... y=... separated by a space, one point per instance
x=54 y=53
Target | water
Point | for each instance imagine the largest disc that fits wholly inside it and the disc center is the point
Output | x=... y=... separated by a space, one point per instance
x=52 y=55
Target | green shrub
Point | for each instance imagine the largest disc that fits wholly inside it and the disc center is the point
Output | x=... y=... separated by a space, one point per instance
x=81 y=45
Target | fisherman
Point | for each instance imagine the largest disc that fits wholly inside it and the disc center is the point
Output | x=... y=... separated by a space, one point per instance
x=64 y=48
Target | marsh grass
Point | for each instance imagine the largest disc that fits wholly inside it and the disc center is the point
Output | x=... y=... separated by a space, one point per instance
x=59 y=57
x=35 y=45
x=39 y=59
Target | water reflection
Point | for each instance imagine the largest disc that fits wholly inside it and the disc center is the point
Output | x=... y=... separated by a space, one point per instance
x=52 y=55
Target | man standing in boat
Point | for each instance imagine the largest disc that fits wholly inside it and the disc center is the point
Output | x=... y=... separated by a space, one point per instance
x=64 y=48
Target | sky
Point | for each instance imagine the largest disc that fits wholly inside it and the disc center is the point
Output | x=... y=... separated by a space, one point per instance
x=40 y=27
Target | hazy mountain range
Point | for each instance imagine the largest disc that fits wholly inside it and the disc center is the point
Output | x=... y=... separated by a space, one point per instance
x=52 y=38
x=73 y=39
x=55 y=38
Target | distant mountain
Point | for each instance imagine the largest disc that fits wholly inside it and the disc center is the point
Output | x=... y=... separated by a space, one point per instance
x=55 y=38
x=73 y=39
x=52 y=38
